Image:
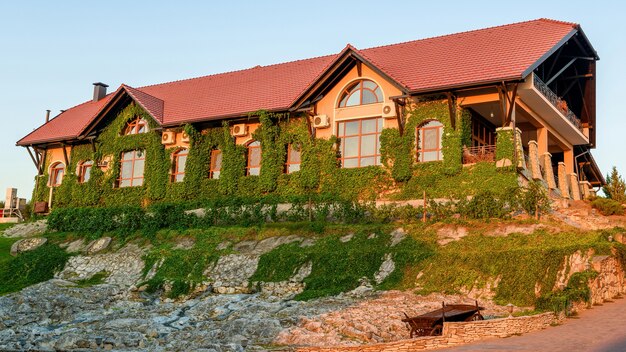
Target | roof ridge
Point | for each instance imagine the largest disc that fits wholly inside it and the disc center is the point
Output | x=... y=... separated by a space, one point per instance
x=235 y=71
x=472 y=31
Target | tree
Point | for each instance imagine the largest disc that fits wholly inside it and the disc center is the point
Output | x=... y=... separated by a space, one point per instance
x=615 y=187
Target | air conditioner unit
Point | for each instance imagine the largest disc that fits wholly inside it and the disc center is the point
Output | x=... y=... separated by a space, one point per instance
x=185 y=137
x=240 y=130
x=389 y=111
x=321 y=121
x=168 y=138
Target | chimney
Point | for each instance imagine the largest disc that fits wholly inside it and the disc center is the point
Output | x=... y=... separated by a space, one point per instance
x=47 y=116
x=99 y=91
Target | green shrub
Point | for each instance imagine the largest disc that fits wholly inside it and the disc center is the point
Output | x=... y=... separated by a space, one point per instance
x=608 y=206
x=31 y=267
x=577 y=290
x=339 y=266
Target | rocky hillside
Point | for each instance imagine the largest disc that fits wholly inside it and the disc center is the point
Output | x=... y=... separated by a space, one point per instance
x=276 y=285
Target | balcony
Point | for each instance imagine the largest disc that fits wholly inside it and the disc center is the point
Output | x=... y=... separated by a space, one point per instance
x=557 y=102
x=477 y=154
x=547 y=108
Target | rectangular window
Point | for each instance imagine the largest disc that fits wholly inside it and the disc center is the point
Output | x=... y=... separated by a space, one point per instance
x=429 y=138
x=178 y=165
x=293 y=158
x=216 y=164
x=254 y=158
x=360 y=142
x=132 y=166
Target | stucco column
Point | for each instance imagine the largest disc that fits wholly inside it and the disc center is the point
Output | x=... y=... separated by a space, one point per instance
x=575 y=186
x=568 y=159
x=521 y=161
x=533 y=157
x=542 y=140
x=504 y=141
x=545 y=160
x=585 y=188
x=563 y=182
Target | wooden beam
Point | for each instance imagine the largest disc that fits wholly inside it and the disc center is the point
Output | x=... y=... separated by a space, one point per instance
x=561 y=71
x=358 y=68
x=556 y=58
x=67 y=160
x=451 y=109
x=93 y=145
x=44 y=153
x=397 y=102
x=511 y=105
x=32 y=157
x=502 y=100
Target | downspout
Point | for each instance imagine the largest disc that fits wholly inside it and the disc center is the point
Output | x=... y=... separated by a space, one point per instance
x=576 y=163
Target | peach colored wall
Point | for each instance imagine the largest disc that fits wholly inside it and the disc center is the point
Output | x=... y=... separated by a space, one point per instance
x=327 y=106
x=247 y=138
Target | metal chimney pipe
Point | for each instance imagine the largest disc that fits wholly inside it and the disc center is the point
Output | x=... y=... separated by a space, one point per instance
x=47 y=116
x=99 y=91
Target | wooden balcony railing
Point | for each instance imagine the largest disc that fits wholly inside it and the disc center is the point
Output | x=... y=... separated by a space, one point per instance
x=477 y=154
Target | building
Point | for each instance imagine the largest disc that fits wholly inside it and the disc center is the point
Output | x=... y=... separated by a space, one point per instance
x=449 y=115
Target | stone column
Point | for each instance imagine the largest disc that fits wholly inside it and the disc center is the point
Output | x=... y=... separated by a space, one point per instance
x=563 y=182
x=585 y=188
x=521 y=161
x=548 y=174
x=573 y=181
x=533 y=157
x=592 y=192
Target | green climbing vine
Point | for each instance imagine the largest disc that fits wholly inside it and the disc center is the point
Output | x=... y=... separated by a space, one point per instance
x=320 y=174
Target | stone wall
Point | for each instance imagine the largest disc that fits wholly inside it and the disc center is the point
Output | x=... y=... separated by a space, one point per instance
x=455 y=333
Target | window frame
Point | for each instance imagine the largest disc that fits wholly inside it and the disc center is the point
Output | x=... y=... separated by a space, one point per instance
x=132 y=162
x=55 y=168
x=288 y=163
x=360 y=135
x=82 y=168
x=133 y=126
x=212 y=163
x=349 y=90
x=174 y=173
x=420 y=142
x=249 y=148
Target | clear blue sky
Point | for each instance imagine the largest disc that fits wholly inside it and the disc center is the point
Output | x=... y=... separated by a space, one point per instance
x=52 y=51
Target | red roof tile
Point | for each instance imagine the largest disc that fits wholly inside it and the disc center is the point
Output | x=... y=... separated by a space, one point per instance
x=484 y=55
x=480 y=56
x=67 y=125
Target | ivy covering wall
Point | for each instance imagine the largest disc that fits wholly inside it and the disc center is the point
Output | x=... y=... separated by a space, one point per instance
x=320 y=175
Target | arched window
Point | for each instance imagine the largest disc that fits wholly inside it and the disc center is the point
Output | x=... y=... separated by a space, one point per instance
x=429 y=141
x=216 y=164
x=360 y=93
x=179 y=159
x=84 y=171
x=57 y=170
x=292 y=164
x=136 y=126
x=131 y=168
x=253 y=165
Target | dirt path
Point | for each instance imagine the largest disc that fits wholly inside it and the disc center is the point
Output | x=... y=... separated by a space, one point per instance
x=600 y=329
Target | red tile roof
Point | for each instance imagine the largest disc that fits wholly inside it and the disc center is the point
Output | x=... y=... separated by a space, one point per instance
x=474 y=57
x=484 y=55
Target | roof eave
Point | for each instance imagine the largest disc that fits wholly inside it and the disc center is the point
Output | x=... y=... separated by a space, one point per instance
x=476 y=84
